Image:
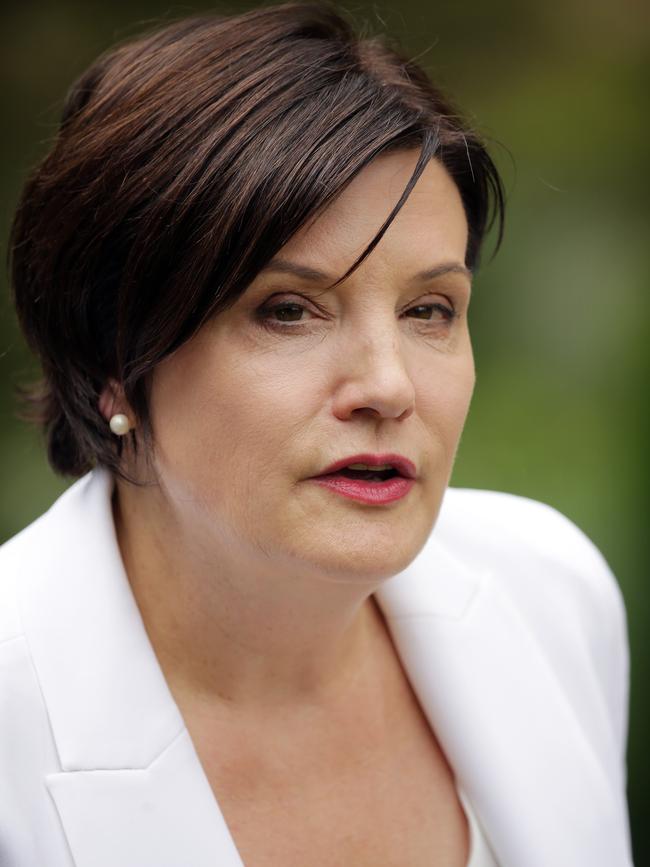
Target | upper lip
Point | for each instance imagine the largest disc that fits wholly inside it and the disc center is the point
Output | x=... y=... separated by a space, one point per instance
x=403 y=465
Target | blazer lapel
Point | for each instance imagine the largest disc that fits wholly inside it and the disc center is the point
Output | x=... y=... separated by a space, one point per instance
x=517 y=748
x=132 y=790
x=164 y=815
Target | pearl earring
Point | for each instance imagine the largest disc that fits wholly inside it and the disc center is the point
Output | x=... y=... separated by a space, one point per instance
x=119 y=424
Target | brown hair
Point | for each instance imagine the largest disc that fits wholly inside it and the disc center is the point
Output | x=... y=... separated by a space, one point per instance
x=185 y=159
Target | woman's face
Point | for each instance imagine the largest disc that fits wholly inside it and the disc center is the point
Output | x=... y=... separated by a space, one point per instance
x=262 y=399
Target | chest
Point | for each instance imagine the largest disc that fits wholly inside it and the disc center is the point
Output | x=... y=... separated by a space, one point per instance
x=350 y=800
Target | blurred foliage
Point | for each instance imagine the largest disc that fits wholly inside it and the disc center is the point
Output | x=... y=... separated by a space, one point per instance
x=560 y=318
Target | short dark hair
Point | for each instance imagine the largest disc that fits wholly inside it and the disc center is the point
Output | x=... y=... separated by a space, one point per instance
x=185 y=159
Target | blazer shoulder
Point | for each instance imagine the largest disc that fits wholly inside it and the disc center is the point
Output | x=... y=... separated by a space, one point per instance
x=12 y=554
x=505 y=525
x=557 y=579
x=26 y=551
x=30 y=828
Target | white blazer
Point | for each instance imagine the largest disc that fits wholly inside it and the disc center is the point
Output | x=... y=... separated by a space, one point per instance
x=510 y=627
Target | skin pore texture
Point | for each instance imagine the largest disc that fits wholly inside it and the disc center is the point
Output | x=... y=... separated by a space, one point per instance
x=255 y=585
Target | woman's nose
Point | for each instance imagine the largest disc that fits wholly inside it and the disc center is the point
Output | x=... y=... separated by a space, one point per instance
x=373 y=376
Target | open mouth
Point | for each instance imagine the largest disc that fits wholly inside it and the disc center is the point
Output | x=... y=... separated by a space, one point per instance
x=366 y=475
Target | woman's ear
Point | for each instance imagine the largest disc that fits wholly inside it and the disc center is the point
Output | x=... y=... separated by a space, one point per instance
x=112 y=401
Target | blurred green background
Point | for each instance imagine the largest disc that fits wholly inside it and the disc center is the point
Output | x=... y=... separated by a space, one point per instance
x=560 y=318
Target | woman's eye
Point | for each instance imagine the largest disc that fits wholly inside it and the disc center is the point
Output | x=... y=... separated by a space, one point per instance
x=290 y=311
x=439 y=312
x=280 y=310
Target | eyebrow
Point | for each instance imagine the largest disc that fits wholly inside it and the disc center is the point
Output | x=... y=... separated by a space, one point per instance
x=284 y=266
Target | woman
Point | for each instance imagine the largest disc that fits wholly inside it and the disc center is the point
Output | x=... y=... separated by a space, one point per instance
x=260 y=629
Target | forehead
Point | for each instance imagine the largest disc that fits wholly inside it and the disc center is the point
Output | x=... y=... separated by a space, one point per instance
x=430 y=226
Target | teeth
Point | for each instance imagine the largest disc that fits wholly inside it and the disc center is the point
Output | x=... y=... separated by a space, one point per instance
x=366 y=467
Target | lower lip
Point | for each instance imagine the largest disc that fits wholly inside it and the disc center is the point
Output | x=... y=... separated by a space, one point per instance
x=372 y=493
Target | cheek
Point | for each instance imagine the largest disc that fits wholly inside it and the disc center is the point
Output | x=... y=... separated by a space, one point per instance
x=462 y=389
x=446 y=398
x=221 y=420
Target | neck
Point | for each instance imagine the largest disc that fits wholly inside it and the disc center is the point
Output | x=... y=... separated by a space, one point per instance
x=229 y=629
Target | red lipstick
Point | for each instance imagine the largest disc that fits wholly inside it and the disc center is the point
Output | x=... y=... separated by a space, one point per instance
x=378 y=488
x=403 y=465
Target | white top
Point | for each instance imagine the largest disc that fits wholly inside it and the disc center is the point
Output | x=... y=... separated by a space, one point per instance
x=480 y=853
x=508 y=615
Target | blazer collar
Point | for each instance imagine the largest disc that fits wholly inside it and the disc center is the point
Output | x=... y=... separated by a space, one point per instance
x=129 y=769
